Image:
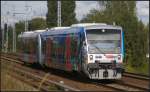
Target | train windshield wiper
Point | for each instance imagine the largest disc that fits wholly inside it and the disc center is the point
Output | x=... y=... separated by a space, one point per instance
x=98 y=49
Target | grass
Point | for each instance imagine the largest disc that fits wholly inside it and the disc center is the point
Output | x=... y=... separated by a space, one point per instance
x=8 y=83
x=140 y=70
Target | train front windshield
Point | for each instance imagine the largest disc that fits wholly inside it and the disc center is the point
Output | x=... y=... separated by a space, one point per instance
x=104 y=41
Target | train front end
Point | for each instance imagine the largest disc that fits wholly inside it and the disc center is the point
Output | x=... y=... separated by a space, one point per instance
x=105 y=52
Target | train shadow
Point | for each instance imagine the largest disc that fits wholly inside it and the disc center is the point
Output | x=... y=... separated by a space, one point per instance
x=75 y=76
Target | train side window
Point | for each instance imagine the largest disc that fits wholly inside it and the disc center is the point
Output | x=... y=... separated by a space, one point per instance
x=73 y=47
x=61 y=48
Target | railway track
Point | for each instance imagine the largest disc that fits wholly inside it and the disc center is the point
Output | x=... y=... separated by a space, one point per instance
x=62 y=80
x=137 y=76
x=35 y=78
x=110 y=85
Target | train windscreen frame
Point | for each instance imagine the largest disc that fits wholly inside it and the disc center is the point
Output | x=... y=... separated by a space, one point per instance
x=104 y=41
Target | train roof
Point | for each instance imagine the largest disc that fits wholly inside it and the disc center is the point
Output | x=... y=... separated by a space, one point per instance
x=96 y=26
x=58 y=28
x=30 y=34
x=75 y=28
x=87 y=24
x=62 y=30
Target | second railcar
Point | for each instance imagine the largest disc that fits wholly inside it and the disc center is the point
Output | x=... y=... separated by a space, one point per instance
x=30 y=46
x=61 y=48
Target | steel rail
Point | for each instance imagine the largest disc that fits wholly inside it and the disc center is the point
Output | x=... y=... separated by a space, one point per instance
x=63 y=86
x=135 y=87
x=136 y=76
x=77 y=89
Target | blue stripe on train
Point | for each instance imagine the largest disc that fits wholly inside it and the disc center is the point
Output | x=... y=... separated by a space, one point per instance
x=123 y=48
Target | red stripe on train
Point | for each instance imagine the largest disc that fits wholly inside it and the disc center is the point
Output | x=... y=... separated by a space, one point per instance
x=109 y=56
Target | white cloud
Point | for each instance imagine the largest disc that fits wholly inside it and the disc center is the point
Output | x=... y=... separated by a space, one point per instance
x=143 y=8
x=143 y=11
x=83 y=7
x=36 y=9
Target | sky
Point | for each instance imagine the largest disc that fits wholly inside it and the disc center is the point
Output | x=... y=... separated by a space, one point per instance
x=13 y=11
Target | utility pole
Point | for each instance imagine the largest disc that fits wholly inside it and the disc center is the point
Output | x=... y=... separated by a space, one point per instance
x=4 y=34
x=3 y=37
x=58 y=13
x=6 y=43
x=3 y=31
x=2 y=40
x=14 y=35
x=26 y=21
x=14 y=32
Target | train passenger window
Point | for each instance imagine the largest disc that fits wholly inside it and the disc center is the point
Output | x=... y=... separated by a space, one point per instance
x=26 y=49
x=62 y=48
x=29 y=46
x=74 y=47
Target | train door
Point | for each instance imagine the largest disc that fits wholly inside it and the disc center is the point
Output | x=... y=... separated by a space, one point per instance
x=48 y=51
x=32 y=48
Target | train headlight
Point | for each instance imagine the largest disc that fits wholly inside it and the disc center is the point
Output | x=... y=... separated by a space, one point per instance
x=91 y=57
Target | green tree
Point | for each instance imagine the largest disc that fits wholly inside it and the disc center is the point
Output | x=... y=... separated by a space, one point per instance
x=67 y=13
x=5 y=31
x=37 y=23
x=147 y=36
x=5 y=35
x=51 y=16
x=95 y=16
x=10 y=38
x=19 y=27
x=1 y=45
